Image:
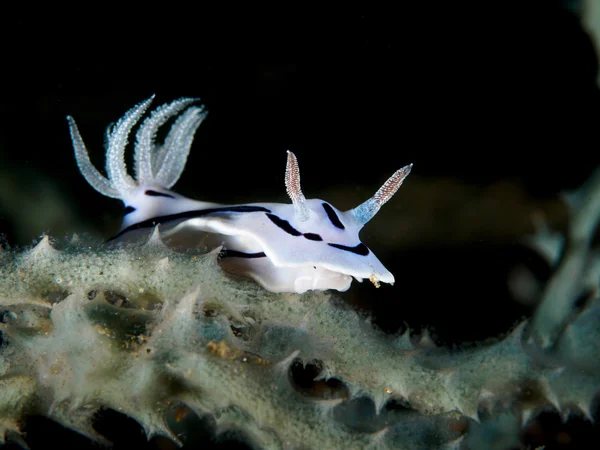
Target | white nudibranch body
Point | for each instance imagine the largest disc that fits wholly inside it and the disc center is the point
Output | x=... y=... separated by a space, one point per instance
x=308 y=244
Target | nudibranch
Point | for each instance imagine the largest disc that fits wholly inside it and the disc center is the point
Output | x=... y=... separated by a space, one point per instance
x=308 y=244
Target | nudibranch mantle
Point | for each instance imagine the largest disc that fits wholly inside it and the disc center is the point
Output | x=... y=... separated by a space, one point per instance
x=308 y=244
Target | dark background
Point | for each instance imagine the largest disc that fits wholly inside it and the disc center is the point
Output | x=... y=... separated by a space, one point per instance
x=479 y=90
x=496 y=99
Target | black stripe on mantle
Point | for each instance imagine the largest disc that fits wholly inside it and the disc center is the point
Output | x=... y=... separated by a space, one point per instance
x=148 y=223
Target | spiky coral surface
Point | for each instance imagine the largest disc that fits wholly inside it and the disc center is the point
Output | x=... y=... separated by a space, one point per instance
x=139 y=329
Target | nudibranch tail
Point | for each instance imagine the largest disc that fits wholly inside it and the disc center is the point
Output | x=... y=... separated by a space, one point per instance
x=365 y=211
x=154 y=165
